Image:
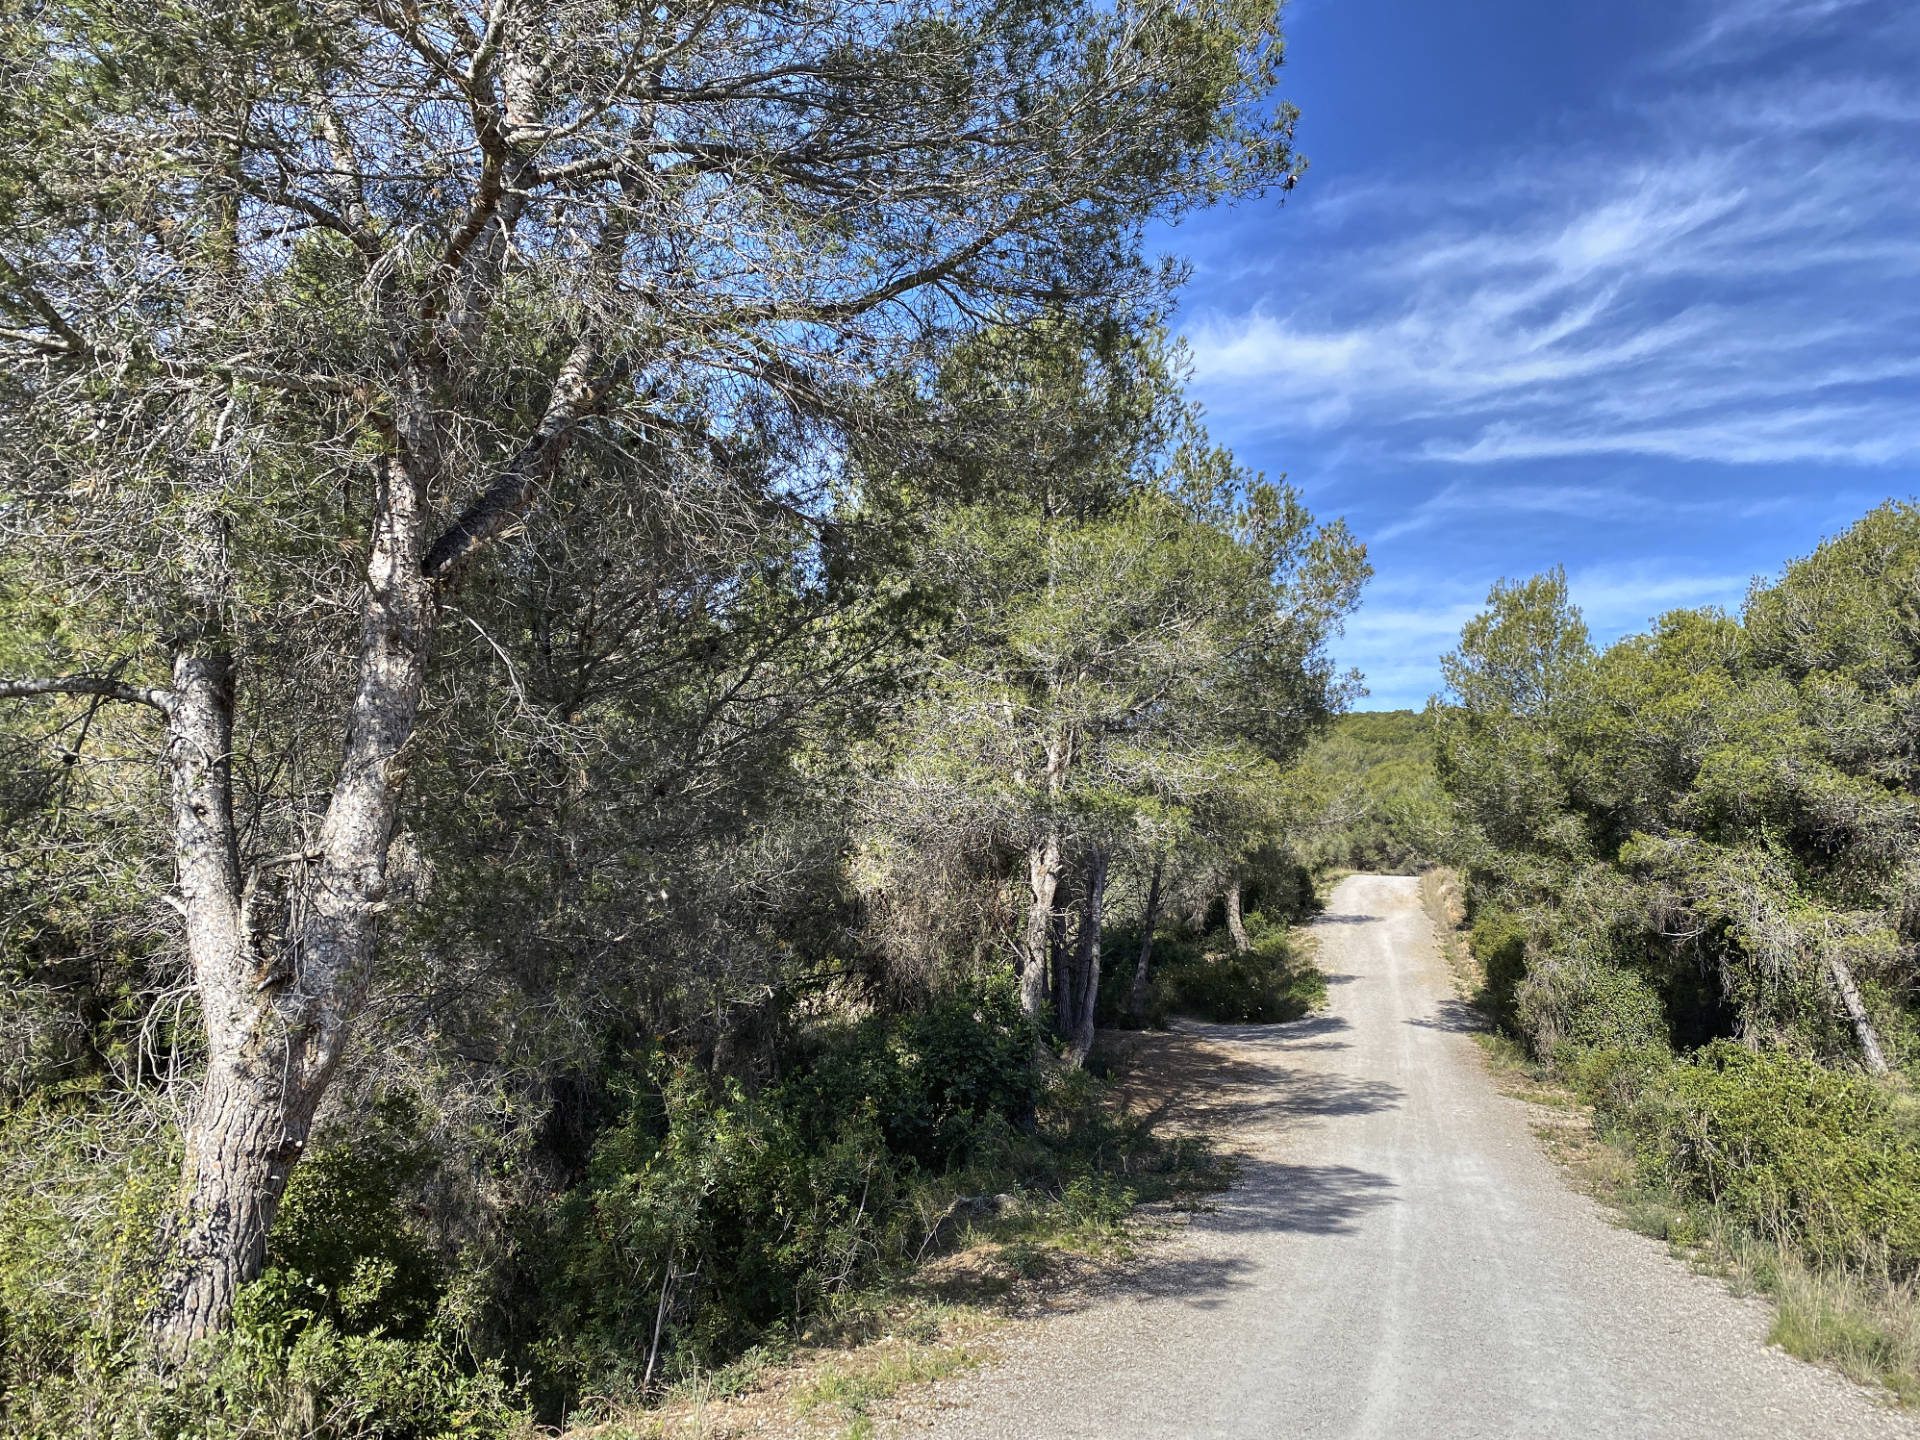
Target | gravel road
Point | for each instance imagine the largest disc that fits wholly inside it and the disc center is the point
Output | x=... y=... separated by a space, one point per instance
x=1399 y=1259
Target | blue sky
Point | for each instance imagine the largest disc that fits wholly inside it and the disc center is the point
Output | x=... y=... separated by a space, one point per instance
x=1632 y=287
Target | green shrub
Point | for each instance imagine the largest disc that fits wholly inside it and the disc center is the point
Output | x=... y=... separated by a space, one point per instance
x=81 y=1194
x=1098 y=1200
x=1499 y=943
x=1613 y=1078
x=1267 y=984
x=929 y=1077
x=1565 y=1006
x=340 y=1334
x=711 y=1220
x=710 y=1215
x=705 y=1217
x=344 y=1249
x=1805 y=1155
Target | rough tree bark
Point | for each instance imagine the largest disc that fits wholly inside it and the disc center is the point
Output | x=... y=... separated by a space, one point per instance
x=279 y=992
x=1043 y=879
x=1236 y=924
x=1842 y=977
x=282 y=972
x=1086 y=987
x=1137 y=1001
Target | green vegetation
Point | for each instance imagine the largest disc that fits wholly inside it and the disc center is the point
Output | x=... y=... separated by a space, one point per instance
x=1205 y=977
x=1384 y=810
x=710 y=1223
x=1691 y=871
x=579 y=695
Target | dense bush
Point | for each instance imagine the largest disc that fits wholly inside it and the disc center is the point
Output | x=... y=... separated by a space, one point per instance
x=344 y=1333
x=705 y=1218
x=1499 y=943
x=929 y=1077
x=1803 y=1154
x=344 y=1250
x=710 y=1214
x=82 y=1192
x=1268 y=983
x=1567 y=1005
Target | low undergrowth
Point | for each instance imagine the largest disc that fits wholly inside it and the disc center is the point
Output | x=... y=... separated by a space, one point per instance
x=930 y=1317
x=715 y=1231
x=1274 y=980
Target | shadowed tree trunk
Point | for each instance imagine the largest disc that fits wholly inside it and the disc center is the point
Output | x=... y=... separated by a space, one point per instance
x=1137 y=1001
x=1086 y=988
x=1236 y=924
x=1043 y=879
x=1060 y=958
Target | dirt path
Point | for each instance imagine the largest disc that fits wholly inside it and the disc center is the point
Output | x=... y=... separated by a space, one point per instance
x=1398 y=1260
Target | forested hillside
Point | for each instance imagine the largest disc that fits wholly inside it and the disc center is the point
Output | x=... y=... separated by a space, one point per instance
x=599 y=608
x=1382 y=806
x=1694 y=881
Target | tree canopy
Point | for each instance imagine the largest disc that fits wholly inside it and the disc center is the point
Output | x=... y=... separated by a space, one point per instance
x=509 y=513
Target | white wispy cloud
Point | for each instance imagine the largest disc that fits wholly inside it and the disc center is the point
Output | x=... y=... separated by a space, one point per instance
x=1622 y=599
x=1734 y=277
x=1735 y=27
x=1581 y=501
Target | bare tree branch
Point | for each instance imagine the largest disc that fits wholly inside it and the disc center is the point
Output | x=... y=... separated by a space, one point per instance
x=107 y=689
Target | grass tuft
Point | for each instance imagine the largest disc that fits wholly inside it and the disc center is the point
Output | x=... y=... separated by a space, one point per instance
x=1866 y=1326
x=851 y=1389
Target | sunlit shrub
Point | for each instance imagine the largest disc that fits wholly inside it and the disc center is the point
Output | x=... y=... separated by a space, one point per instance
x=1567 y=1005
x=1806 y=1155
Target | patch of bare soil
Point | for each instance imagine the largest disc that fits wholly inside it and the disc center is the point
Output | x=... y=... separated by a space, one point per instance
x=1182 y=1083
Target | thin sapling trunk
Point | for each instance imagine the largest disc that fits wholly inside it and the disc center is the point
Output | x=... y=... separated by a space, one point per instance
x=1137 y=1001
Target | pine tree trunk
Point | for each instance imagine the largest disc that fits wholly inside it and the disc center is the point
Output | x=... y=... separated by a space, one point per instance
x=1087 y=967
x=1137 y=1001
x=277 y=1014
x=1043 y=879
x=1842 y=978
x=1236 y=925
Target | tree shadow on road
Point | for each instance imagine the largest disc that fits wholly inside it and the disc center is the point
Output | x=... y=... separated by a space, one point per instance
x=1268 y=1198
x=1237 y=1078
x=1454 y=1015
x=1283 y=1036
x=1304 y=1199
